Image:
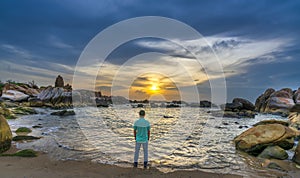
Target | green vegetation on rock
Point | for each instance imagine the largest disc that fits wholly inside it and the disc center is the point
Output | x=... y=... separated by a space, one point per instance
x=24 y=137
x=5 y=135
x=23 y=153
x=23 y=129
x=24 y=110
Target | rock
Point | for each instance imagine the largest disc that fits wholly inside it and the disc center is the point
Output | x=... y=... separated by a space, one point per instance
x=294 y=119
x=59 y=82
x=206 y=104
x=24 y=137
x=35 y=102
x=230 y=114
x=260 y=102
x=279 y=105
x=24 y=111
x=37 y=126
x=265 y=122
x=64 y=113
x=6 y=112
x=10 y=104
x=231 y=106
x=24 y=130
x=23 y=88
x=256 y=139
x=276 y=164
x=274 y=152
x=23 y=153
x=5 y=135
x=55 y=96
x=296 y=157
x=247 y=105
x=296 y=96
x=296 y=108
x=14 y=95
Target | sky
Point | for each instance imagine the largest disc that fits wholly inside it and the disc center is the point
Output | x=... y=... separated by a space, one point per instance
x=256 y=42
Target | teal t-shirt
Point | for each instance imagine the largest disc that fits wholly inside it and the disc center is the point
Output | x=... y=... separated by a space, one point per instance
x=142 y=126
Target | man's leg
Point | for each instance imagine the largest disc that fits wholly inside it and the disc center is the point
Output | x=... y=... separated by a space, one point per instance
x=136 y=153
x=145 y=148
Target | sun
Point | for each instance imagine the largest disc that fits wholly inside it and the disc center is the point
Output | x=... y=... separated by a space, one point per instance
x=154 y=88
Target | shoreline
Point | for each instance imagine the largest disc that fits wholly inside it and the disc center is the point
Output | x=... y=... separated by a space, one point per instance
x=43 y=166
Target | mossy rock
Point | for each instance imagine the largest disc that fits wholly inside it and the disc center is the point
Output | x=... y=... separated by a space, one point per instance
x=23 y=129
x=23 y=153
x=5 y=135
x=24 y=111
x=24 y=137
x=6 y=112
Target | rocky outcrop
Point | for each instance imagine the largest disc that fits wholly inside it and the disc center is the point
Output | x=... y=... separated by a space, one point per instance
x=278 y=102
x=54 y=95
x=23 y=88
x=257 y=138
x=239 y=108
x=59 y=82
x=5 y=135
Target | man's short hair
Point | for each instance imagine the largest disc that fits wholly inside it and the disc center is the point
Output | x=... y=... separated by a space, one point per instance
x=142 y=113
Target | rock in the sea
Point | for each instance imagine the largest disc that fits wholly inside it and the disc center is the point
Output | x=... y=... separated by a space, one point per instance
x=5 y=135
x=24 y=130
x=14 y=95
x=246 y=105
x=274 y=152
x=59 y=82
x=230 y=114
x=256 y=139
x=64 y=113
x=231 y=106
x=24 y=138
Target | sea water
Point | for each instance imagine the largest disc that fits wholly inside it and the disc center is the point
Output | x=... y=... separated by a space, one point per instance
x=181 y=138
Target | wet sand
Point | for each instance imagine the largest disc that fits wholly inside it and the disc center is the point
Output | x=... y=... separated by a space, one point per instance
x=43 y=166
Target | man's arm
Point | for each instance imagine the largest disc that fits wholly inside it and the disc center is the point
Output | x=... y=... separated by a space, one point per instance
x=134 y=133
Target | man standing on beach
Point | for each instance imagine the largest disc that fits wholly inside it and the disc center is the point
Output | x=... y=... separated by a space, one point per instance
x=141 y=135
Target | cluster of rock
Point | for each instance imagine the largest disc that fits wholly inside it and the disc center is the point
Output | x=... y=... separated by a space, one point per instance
x=280 y=102
x=239 y=108
x=269 y=139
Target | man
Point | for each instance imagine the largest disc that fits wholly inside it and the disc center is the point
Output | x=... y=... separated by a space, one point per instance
x=141 y=135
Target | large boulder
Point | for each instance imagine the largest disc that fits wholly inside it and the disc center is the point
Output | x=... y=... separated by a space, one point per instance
x=256 y=139
x=5 y=135
x=275 y=102
x=246 y=105
x=14 y=95
x=59 y=82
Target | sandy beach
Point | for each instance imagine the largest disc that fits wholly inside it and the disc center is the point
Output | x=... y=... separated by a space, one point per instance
x=43 y=166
